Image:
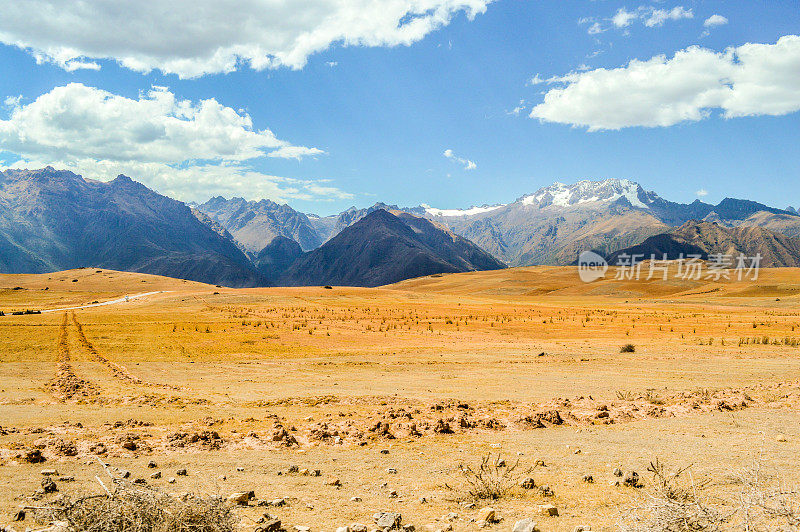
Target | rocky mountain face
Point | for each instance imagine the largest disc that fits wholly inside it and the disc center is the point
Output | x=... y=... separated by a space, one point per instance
x=556 y=223
x=708 y=238
x=255 y=223
x=386 y=247
x=277 y=257
x=55 y=220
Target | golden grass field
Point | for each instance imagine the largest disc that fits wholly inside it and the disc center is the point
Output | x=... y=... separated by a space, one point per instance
x=213 y=379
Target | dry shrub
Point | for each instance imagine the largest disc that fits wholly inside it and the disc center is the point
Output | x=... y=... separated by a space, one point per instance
x=627 y=348
x=132 y=508
x=674 y=504
x=493 y=479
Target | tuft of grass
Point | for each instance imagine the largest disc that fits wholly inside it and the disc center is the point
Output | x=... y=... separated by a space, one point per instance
x=628 y=348
x=493 y=479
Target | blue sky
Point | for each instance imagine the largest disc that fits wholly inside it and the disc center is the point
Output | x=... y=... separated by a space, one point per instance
x=372 y=120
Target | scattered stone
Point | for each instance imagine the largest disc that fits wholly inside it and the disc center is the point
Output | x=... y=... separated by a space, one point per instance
x=384 y=451
x=528 y=483
x=357 y=527
x=589 y=479
x=487 y=515
x=48 y=485
x=303 y=472
x=278 y=502
x=393 y=494
x=423 y=500
x=241 y=498
x=19 y=516
x=333 y=481
x=181 y=473
x=49 y=472
x=240 y=469
x=388 y=520
x=355 y=499
x=583 y=528
x=548 y=510
x=546 y=491
x=525 y=525
x=33 y=456
x=301 y=528
x=124 y=473
x=409 y=528
x=140 y=481
x=156 y=475
x=617 y=472
x=66 y=479
x=151 y=464
x=392 y=471
x=539 y=463
x=632 y=479
x=171 y=480
x=273 y=525
x=780 y=438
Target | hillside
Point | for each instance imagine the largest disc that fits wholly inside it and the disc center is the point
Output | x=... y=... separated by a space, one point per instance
x=55 y=220
x=383 y=248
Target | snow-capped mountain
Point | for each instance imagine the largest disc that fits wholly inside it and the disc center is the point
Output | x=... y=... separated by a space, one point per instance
x=588 y=192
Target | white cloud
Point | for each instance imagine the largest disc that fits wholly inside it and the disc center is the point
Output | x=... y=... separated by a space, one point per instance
x=595 y=29
x=715 y=20
x=536 y=80
x=73 y=64
x=749 y=80
x=623 y=18
x=176 y=146
x=702 y=193
x=196 y=37
x=466 y=163
x=12 y=101
x=657 y=17
x=332 y=63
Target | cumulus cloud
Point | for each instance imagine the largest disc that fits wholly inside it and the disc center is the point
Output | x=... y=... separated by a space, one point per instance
x=749 y=80
x=466 y=163
x=177 y=146
x=702 y=193
x=623 y=18
x=657 y=17
x=220 y=35
x=715 y=20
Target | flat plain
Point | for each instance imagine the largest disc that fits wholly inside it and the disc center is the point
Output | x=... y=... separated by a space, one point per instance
x=388 y=391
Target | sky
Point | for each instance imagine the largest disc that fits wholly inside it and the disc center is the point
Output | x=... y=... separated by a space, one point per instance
x=325 y=104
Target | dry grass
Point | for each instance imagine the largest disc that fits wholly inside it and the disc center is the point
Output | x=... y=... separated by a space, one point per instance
x=491 y=480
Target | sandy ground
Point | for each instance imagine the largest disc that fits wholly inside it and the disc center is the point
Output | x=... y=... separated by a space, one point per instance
x=213 y=379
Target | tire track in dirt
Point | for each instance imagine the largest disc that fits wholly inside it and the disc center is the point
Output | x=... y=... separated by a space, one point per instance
x=66 y=385
x=117 y=370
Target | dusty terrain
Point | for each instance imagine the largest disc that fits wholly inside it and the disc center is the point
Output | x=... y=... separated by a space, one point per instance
x=388 y=390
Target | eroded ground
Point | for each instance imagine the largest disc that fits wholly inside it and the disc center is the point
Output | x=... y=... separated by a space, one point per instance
x=437 y=371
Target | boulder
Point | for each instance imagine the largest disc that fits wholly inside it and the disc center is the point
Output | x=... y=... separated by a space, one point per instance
x=388 y=520
x=487 y=515
x=525 y=525
x=548 y=510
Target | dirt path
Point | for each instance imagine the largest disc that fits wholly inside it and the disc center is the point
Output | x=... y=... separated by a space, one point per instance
x=66 y=385
x=123 y=299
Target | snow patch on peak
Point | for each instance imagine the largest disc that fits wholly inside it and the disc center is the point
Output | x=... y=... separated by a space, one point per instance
x=433 y=211
x=585 y=192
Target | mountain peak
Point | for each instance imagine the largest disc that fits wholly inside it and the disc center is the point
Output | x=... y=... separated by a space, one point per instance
x=587 y=192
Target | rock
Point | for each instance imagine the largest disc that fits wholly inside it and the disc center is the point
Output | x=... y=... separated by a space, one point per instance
x=333 y=481
x=357 y=527
x=155 y=475
x=293 y=469
x=539 y=463
x=452 y=516
x=355 y=499
x=392 y=471
x=423 y=500
x=500 y=463
x=343 y=529
x=66 y=479
x=140 y=481
x=589 y=479
x=124 y=473
x=241 y=498
x=780 y=438
x=301 y=528
x=33 y=456
x=487 y=514
x=632 y=479
x=278 y=502
x=316 y=473
x=393 y=494
x=525 y=525
x=171 y=480
x=58 y=526
x=151 y=464
x=48 y=485
x=181 y=473
x=583 y=528
x=19 y=516
x=49 y=472
x=273 y=525
x=617 y=472
x=388 y=520
x=409 y=528
x=548 y=510
x=528 y=483
x=240 y=469
x=546 y=491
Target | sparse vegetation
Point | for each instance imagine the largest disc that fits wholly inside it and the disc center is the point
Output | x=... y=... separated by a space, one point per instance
x=493 y=479
x=628 y=348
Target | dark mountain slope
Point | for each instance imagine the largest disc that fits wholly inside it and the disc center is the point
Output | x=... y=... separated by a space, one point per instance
x=383 y=248
x=56 y=220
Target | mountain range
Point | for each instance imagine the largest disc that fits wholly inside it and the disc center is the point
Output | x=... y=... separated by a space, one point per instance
x=52 y=220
